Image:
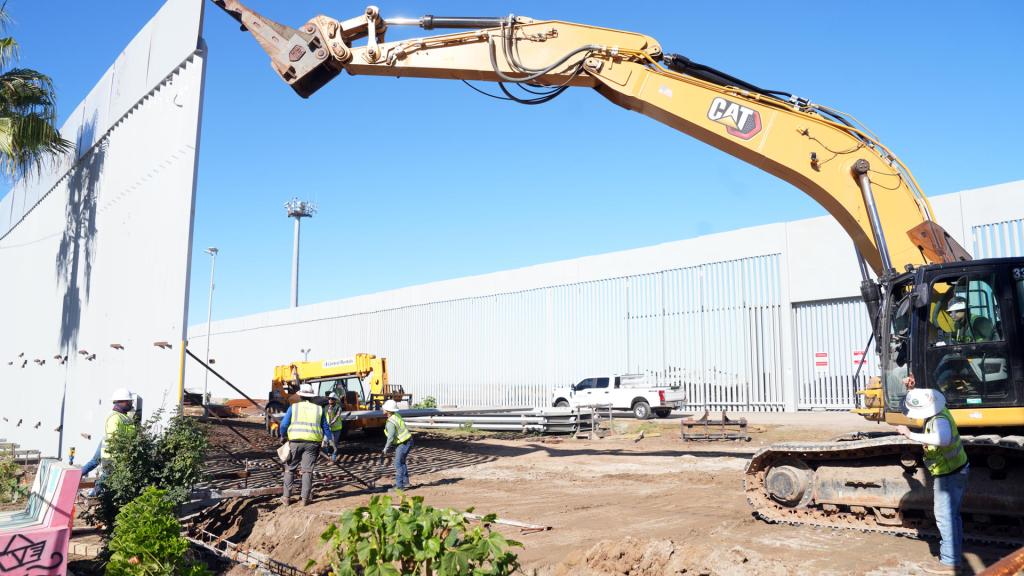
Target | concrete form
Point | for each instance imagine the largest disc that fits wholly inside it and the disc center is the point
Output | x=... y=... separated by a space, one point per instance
x=99 y=247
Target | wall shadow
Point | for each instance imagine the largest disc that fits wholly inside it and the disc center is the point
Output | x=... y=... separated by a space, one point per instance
x=76 y=253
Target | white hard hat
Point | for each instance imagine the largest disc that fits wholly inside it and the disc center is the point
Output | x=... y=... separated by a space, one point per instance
x=391 y=406
x=924 y=403
x=121 y=394
x=306 y=390
x=956 y=304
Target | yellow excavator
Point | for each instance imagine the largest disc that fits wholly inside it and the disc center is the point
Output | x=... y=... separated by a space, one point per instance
x=868 y=482
x=343 y=379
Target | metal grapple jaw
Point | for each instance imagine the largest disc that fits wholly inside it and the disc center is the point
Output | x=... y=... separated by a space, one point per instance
x=312 y=56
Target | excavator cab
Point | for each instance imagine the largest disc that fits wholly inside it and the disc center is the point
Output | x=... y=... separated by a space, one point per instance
x=968 y=323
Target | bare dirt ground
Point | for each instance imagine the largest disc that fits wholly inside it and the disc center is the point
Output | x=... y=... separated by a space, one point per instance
x=614 y=505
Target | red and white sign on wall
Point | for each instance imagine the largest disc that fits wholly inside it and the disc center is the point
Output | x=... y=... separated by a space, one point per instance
x=821 y=362
x=858 y=357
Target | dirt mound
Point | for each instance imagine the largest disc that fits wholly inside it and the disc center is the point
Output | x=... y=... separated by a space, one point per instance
x=634 y=557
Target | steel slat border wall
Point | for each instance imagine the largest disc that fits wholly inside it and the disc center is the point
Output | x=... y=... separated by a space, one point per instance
x=839 y=328
x=701 y=327
x=999 y=239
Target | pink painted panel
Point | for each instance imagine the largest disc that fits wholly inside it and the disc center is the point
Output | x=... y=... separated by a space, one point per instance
x=37 y=545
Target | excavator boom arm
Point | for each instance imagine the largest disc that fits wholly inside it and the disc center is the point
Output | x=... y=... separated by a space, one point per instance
x=844 y=168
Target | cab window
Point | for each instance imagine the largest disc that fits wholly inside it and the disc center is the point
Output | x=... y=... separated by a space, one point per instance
x=1018 y=276
x=897 y=364
x=967 y=354
x=964 y=310
x=600 y=382
x=585 y=384
x=325 y=387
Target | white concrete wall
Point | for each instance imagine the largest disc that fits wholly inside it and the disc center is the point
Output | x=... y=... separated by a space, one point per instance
x=455 y=337
x=98 y=247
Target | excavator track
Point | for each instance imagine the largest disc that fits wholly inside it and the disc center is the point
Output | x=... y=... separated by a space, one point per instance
x=879 y=485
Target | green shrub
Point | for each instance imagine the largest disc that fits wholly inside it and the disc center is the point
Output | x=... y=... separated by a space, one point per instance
x=141 y=456
x=413 y=538
x=10 y=480
x=427 y=402
x=147 y=540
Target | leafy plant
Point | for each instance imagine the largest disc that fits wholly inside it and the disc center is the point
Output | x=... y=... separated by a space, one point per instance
x=147 y=540
x=10 y=479
x=141 y=456
x=413 y=538
x=467 y=427
x=28 y=114
x=427 y=402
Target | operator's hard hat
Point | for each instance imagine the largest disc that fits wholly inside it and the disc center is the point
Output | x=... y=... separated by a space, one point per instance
x=924 y=403
x=306 y=390
x=390 y=406
x=956 y=304
x=121 y=394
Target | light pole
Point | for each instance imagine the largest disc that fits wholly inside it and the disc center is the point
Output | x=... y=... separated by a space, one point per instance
x=212 y=251
x=305 y=354
x=297 y=209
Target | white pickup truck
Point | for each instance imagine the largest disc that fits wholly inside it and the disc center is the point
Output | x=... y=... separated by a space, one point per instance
x=628 y=392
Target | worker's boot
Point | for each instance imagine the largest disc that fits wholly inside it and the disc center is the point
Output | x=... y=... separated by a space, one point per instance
x=305 y=502
x=285 y=500
x=933 y=566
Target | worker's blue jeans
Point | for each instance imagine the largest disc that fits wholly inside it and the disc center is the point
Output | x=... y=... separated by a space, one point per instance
x=401 y=469
x=949 y=493
x=92 y=464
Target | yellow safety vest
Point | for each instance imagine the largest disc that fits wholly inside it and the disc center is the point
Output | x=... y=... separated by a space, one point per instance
x=305 y=422
x=114 y=421
x=402 y=433
x=335 y=421
x=942 y=460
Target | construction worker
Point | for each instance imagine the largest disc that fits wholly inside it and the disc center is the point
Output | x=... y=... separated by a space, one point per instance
x=946 y=461
x=397 y=433
x=336 y=422
x=305 y=426
x=967 y=327
x=123 y=401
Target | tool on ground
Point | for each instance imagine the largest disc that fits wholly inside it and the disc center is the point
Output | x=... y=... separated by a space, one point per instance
x=705 y=428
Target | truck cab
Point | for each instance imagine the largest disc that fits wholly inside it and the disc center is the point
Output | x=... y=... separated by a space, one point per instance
x=633 y=392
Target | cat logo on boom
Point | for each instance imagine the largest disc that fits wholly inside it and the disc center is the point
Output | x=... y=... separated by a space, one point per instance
x=740 y=121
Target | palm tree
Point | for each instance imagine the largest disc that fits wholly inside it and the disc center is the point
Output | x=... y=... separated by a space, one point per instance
x=28 y=114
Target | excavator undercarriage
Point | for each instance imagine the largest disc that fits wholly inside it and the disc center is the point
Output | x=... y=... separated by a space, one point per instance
x=879 y=485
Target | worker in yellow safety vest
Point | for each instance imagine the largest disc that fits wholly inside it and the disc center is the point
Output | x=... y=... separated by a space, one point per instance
x=397 y=433
x=946 y=460
x=123 y=401
x=336 y=421
x=305 y=427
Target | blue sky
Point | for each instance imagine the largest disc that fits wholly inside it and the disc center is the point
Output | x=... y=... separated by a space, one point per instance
x=425 y=180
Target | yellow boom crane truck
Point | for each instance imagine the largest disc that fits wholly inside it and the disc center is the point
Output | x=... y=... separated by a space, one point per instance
x=344 y=379
x=873 y=482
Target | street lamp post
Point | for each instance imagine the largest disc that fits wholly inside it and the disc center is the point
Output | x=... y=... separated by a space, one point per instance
x=212 y=251
x=297 y=209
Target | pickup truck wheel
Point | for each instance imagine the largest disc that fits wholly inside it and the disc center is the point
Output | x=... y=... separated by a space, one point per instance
x=642 y=410
x=562 y=404
x=662 y=413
